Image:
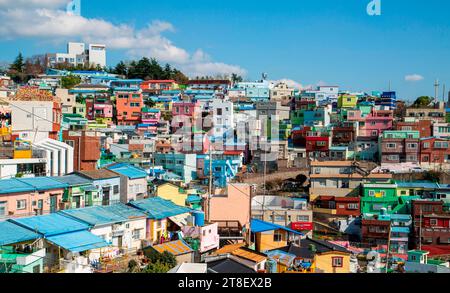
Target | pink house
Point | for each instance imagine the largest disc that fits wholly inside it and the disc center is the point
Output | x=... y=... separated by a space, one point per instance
x=208 y=236
x=21 y=197
x=150 y=116
x=185 y=113
x=376 y=122
x=231 y=204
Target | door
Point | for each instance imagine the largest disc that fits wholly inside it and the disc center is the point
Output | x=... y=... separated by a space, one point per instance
x=53 y=203
x=106 y=196
x=40 y=207
x=3 y=209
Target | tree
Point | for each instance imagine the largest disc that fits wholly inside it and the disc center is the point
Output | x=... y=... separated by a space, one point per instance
x=121 y=69
x=157 y=267
x=17 y=69
x=70 y=81
x=236 y=78
x=422 y=101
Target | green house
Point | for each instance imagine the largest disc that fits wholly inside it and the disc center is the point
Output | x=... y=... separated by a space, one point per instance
x=378 y=196
x=14 y=261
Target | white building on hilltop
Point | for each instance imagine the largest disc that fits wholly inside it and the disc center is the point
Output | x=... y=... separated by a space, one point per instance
x=77 y=54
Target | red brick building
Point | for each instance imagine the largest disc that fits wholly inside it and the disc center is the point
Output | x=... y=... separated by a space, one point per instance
x=420 y=209
x=375 y=232
x=425 y=127
x=86 y=148
x=434 y=150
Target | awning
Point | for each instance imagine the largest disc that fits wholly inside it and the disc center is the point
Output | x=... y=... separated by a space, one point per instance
x=78 y=241
x=180 y=220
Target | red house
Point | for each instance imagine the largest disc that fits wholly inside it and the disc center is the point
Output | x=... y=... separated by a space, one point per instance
x=318 y=145
x=434 y=150
x=436 y=229
x=344 y=206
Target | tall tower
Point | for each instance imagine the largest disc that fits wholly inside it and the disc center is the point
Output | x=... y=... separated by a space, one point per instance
x=436 y=90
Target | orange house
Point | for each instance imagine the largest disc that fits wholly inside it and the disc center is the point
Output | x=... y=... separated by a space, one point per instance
x=128 y=107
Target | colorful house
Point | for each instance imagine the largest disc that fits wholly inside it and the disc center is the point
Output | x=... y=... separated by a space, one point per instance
x=159 y=211
x=347 y=101
x=107 y=184
x=171 y=192
x=268 y=236
x=378 y=196
x=128 y=107
x=21 y=197
x=133 y=181
x=79 y=193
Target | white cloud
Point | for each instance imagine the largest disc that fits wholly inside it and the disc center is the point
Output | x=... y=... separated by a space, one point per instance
x=414 y=77
x=289 y=82
x=48 y=21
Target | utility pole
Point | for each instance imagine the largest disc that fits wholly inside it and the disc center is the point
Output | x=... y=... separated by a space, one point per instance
x=210 y=182
x=420 y=229
x=388 y=245
x=264 y=191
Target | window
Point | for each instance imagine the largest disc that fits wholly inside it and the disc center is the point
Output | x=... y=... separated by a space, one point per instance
x=116 y=189
x=353 y=206
x=136 y=234
x=277 y=236
x=337 y=262
x=433 y=222
x=22 y=204
x=371 y=192
x=280 y=218
x=391 y=145
x=302 y=218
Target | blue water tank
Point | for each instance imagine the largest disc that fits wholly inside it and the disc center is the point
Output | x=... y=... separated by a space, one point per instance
x=199 y=217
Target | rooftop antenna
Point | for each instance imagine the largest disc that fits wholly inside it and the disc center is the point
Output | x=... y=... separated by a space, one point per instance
x=264 y=76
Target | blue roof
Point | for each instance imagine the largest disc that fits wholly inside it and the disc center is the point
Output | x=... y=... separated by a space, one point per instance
x=193 y=198
x=29 y=184
x=158 y=208
x=257 y=226
x=128 y=170
x=12 y=233
x=52 y=224
x=103 y=215
x=400 y=229
x=73 y=180
x=400 y=217
x=417 y=184
x=78 y=241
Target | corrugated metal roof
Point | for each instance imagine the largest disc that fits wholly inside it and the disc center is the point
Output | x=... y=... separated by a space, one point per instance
x=158 y=208
x=11 y=233
x=261 y=226
x=78 y=241
x=15 y=185
x=130 y=171
x=177 y=247
x=52 y=224
x=417 y=184
x=103 y=215
x=73 y=180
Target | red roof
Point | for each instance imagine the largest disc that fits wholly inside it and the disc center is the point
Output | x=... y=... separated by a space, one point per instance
x=159 y=81
x=232 y=153
x=437 y=250
x=347 y=199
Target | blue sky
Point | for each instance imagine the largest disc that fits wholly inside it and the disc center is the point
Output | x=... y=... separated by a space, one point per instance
x=308 y=41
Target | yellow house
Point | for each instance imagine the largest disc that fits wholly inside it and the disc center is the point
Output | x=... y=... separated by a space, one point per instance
x=172 y=192
x=269 y=236
x=347 y=101
x=311 y=256
x=332 y=262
